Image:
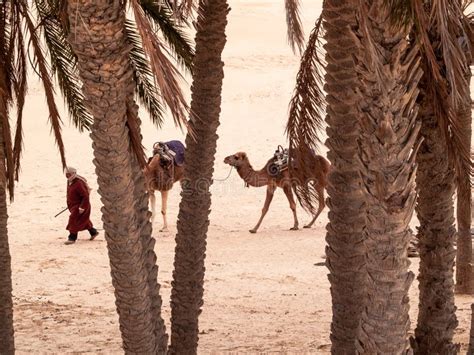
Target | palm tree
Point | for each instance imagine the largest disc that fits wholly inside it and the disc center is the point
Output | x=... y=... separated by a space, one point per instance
x=343 y=96
x=193 y=218
x=345 y=236
x=443 y=154
x=345 y=250
x=464 y=268
x=389 y=71
x=100 y=37
x=13 y=88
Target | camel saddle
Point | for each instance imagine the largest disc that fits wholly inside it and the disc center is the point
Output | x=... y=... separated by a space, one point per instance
x=279 y=162
x=172 y=151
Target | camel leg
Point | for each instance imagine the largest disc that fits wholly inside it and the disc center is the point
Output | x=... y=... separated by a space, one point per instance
x=164 y=201
x=321 y=205
x=291 y=200
x=152 y=198
x=270 y=191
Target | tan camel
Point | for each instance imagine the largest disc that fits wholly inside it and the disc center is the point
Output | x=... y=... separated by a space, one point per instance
x=262 y=177
x=160 y=175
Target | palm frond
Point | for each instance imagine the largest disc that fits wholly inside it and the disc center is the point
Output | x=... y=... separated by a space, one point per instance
x=42 y=65
x=8 y=77
x=20 y=89
x=7 y=144
x=165 y=73
x=447 y=34
x=306 y=117
x=444 y=37
x=133 y=125
x=171 y=30
x=465 y=4
x=147 y=92
x=182 y=10
x=295 y=29
x=64 y=65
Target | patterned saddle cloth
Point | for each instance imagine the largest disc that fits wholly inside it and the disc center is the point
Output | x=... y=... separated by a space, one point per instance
x=279 y=162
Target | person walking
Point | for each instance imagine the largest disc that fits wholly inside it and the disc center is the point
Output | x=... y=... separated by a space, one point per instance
x=79 y=206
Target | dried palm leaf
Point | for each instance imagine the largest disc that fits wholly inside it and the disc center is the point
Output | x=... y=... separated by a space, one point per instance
x=20 y=89
x=306 y=118
x=443 y=34
x=133 y=125
x=147 y=92
x=64 y=65
x=42 y=65
x=165 y=73
x=295 y=29
x=171 y=30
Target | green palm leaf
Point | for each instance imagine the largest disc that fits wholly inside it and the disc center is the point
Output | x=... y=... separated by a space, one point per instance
x=147 y=92
x=173 y=33
x=64 y=65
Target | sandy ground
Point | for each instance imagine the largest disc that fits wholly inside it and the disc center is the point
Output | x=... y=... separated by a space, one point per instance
x=263 y=293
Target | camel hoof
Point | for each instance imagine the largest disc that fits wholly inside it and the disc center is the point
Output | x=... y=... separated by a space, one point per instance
x=307 y=226
x=253 y=231
x=294 y=229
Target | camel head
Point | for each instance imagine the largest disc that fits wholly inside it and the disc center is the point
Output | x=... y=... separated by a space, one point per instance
x=159 y=174
x=237 y=159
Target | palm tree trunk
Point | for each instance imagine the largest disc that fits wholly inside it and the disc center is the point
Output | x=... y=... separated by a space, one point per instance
x=389 y=72
x=193 y=218
x=345 y=251
x=97 y=36
x=7 y=343
x=464 y=262
x=141 y=199
x=436 y=235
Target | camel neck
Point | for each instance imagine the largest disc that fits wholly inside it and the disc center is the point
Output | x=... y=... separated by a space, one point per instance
x=252 y=177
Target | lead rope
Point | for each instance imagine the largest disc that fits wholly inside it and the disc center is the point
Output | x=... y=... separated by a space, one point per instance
x=228 y=176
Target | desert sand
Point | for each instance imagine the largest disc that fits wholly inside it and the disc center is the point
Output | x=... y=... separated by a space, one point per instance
x=267 y=292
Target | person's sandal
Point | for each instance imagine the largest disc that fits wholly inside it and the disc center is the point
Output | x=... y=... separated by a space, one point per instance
x=93 y=236
x=69 y=242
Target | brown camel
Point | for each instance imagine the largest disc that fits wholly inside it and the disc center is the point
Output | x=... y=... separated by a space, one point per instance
x=160 y=175
x=319 y=165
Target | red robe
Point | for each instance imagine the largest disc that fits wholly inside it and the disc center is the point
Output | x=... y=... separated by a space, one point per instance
x=78 y=196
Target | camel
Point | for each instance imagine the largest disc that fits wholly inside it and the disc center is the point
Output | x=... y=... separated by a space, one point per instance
x=266 y=177
x=161 y=173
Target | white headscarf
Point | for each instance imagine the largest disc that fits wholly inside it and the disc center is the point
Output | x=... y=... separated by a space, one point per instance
x=73 y=172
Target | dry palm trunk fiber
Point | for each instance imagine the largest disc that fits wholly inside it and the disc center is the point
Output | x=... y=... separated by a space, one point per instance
x=97 y=36
x=345 y=251
x=435 y=210
x=389 y=71
x=464 y=261
x=193 y=218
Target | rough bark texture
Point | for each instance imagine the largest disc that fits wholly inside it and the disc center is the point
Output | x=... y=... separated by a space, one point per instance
x=7 y=344
x=464 y=262
x=389 y=71
x=436 y=235
x=97 y=36
x=345 y=251
x=194 y=209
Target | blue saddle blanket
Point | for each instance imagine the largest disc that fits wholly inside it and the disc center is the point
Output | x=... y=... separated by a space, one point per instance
x=178 y=148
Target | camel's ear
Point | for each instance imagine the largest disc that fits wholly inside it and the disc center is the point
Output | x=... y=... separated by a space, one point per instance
x=244 y=155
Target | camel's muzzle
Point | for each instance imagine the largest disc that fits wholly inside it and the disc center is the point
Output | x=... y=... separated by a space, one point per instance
x=229 y=161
